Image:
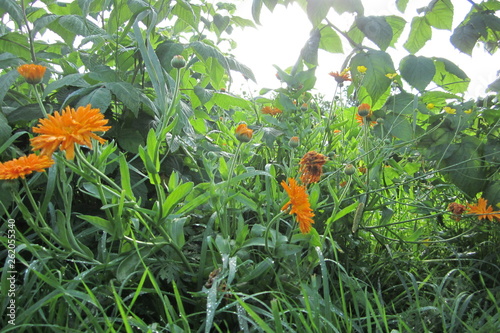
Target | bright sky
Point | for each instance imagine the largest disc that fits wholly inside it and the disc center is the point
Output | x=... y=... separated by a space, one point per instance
x=284 y=32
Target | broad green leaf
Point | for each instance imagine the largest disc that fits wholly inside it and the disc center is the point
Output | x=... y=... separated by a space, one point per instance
x=80 y=25
x=68 y=80
x=330 y=40
x=99 y=222
x=227 y=101
x=378 y=64
x=5 y=129
x=15 y=43
x=420 y=33
x=465 y=38
x=128 y=94
x=349 y=6
x=166 y=51
x=309 y=52
x=450 y=77
x=203 y=94
x=441 y=15
x=401 y=5
x=397 y=24
x=6 y=81
x=376 y=29
x=234 y=65
x=492 y=194
x=99 y=98
x=256 y=8
x=25 y=113
x=398 y=126
x=402 y=103
x=221 y=22
x=317 y=10
x=14 y=10
x=417 y=71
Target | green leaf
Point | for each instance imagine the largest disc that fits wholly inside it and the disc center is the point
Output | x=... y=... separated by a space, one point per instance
x=68 y=80
x=465 y=38
x=420 y=33
x=99 y=98
x=80 y=25
x=397 y=24
x=6 y=81
x=130 y=139
x=330 y=40
x=15 y=43
x=398 y=126
x=376 y=29
x=5 y=129
x=227 y=101
x=128 y=94
x=441 y=15
x=24 y=114
x=317 y=10
x=166 y=51
x=417 y=71
x=125 y=176
x=14 y=10
x=203 y=94
x=378 y=64
x=401 y=5
x=492 y=194
x=309 y=52
x=349 y=6
x=450 y=77
x=175 y=197
x=256 y=8
x=100 y=223
x=221 y=22
x=402 y=103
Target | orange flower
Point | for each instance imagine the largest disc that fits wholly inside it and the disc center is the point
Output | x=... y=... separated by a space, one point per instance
x=364 y=110
x=299 y=200
x=341 y=77
x=294 y=142
x=311 y=167
x=243 y=133
x=25 y=165
x=32 y=73
x=270 y=110
x=64 y=130
x=483 y=211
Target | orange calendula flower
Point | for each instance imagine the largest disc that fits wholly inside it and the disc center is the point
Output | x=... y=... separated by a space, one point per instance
x=243 y=133
x=483 y=211
x=63 y=130
x=299 y=200
x=32 y=73
x=364 y=110
x=311 y=167
x=341 y=77
x=23 y=166
x=270 y=110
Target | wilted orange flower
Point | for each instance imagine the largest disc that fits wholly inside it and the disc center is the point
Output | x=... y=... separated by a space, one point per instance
x=311 y=167
x=299 y=200
x=294 y=142
x=243 y=133
x=270 y=110
x=457 y=210
x=483 y=211
x=341 y=77
x=67 y=128
x=24 y=165
x=32 y=73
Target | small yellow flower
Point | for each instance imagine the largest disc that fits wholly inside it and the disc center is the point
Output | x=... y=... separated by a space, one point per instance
x=391 y=76
x=430 y=106
x=449 y=110
x=468 y=111
x=362 y=69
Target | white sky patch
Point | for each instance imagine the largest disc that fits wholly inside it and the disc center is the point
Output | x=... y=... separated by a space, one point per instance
x=283 y=33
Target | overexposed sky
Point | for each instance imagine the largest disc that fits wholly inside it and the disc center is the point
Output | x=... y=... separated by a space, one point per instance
x=284 y=32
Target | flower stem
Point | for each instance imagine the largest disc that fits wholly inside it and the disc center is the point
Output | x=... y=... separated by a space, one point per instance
x=39 y=100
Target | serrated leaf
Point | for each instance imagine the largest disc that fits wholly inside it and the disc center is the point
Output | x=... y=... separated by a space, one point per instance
x=420 y=33
x=348 y=6
x=80 y=25
x=417 y=71
x=398 y=126
x=450 y=77
x=398 y=25
x=203 y=94
x=441 y=15
x=227 y=101
x=402 y=103
x=330 y=40
x=14 y=10
x=376 y=29
x=221 y=22
x=68 y=80
x=25 y=113
x=126 y=93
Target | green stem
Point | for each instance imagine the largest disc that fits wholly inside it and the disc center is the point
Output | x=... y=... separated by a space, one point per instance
x=39 y=100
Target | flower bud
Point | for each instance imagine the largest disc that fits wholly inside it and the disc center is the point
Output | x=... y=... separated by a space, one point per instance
x=349 y=169
x=178 y=62
x=294 y=142
x=364 y=110
x=243 y=133
x=33 y=74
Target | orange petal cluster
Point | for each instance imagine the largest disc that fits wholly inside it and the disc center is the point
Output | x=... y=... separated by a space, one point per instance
x=32 y=73
x=24 y=165
x=483 y=211
x=340 y=77
x=270 y=110
x=243 y=133
x=63 y=130
x=299 y=200
x=311 y=167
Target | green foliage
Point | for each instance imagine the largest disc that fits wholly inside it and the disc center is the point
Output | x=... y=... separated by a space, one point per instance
x=175 y=225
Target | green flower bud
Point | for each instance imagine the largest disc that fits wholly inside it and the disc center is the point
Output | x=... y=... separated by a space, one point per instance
x=178 y=62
